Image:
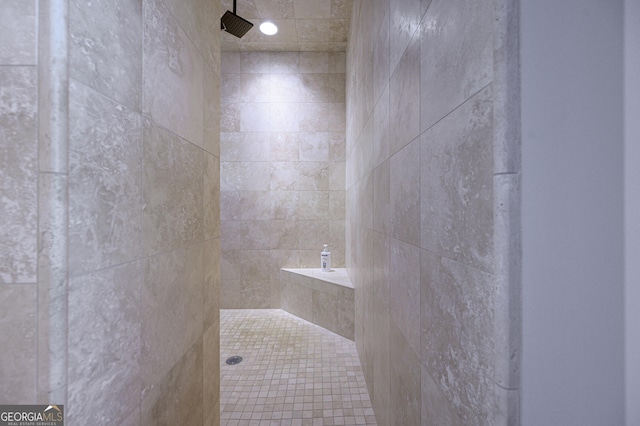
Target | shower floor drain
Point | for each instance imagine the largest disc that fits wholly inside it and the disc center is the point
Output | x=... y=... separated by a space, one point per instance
x=234 y=360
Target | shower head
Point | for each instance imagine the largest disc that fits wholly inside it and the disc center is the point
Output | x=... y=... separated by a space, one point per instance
x=233 y=24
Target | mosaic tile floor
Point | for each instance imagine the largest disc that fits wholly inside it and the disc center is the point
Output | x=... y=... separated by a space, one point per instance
x=293 y=372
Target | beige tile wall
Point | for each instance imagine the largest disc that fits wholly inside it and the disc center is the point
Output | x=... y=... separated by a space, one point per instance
x=138 y=201
x=282 y=169
x=420 y=173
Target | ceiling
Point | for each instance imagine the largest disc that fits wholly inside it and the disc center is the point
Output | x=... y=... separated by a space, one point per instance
x=303 y=25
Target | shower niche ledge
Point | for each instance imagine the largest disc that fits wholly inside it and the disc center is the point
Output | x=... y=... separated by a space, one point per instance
x=323 y=298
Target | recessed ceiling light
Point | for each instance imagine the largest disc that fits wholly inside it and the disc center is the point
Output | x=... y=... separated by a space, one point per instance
x=268 y=28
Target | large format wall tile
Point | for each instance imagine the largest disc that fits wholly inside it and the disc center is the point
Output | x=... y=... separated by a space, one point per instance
x=173 y=190
x=457 y=184
x=18 y=32
x=105 y=182
x=178 y=396
x=457 y=335
x=104 y=345
x=405 y=381
x=282 y=167
x=457 y=55
x=18 y=174
x=404 y=290
x=405 y=20
x=405 y=194
x=404 y=98
x=172 y=62
x=172 y=310
x=106 y=48
x=18 y=339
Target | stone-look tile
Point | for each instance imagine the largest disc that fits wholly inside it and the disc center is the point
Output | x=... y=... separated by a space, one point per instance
x=172 y=62
x=322 y=117
x=18 y=32
x=211 y=197
x=230 y=62
x=312 y=176
x=173 y=190
x=163 y=406
x=18 y=339
x=380 y=322
x=405 y=194
x=254 y=117
x=322 y=88
x=346 y=313
x=284 y=205
x=212 y=112
x=105 y=181
x=284 y=146
x=318 y=9
x=404 y=99
x=284 y=234
x=284 y=62
x=211 y=369
x=457 y=328
x=104 y=345
x=283 y=117
x=246 y=279
x=337 y=176
x=381 y=46
x=246 y=235
x=245 y=176
x=314 y=234
x=315 y=146
x=314 y=205
x=172 y=311
x=297 y=299
x=436 y=410
x=338 y=30
x=211 y=293
x=105 y=49
x=230 y=117
x=337 y=200
x=382 y=198
x=405 y=21
x=324 y=310
x=251 y=205
x=18 y=173
x=404 y=290
x=133 y=419
x=405 y=385
x=381 y=129
x=245 y=146
x=314 y=62
x=457 y=185
x=452 y=30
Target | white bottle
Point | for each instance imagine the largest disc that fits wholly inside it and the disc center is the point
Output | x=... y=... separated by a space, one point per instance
x=325 y=260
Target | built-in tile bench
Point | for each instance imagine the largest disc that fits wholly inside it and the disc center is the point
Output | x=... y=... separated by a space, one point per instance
x=323 y=298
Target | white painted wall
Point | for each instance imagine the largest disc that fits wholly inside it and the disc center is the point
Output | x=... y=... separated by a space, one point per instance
x=572 y=220
x=632 y=208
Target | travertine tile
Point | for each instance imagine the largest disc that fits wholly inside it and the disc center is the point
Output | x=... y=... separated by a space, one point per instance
x=173 y=190
x=105 y=181
x=212 y=112
x=171 y=61
x=250 y=205
x=162 y=405
x=312 y=176
x=466 y=30
x=324 y=310
x=18 y=32
x=381 y=337
x=319 y=117
x=404 y=290
x=18 y=174
x=457 y=335
x=293 y=372
x=317 y=9
x=381 y=138
x=457 y=184
x=18 y=358
x=106 y=48
x=246 y=235
x=405 y=21
x=211 y=291
x=382 y=198
x=405 y=381
x=435 y=407
x=404 y=98
x=172 y=311
x=405 y=194
x=105 y=324
x=211 y=368
x=211 y=196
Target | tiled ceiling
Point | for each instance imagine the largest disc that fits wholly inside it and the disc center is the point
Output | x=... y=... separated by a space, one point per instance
x=303 y=25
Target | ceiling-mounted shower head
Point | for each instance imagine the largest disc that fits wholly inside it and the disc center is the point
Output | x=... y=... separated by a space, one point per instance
x=233 y=24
